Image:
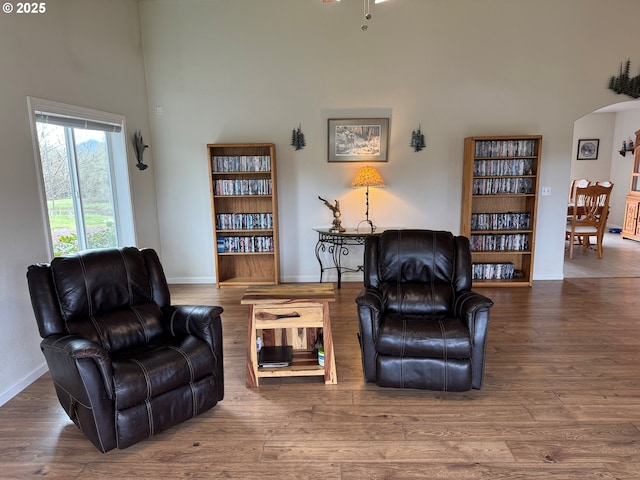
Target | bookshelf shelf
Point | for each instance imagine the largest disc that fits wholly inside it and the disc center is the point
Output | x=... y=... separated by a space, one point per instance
x=499 y=207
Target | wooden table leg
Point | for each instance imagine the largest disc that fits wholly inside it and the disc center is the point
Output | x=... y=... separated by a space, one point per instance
x=330 y=375
x=252 y=353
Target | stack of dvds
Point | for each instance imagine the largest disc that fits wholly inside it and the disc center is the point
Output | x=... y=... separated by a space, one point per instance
x=500 y=242
x=248 y=244
x=501 y=221
x=256 y=186
x=241 y=163
x=493 y=271
x=501 y=167
x=502 y=185
x=244 y=221
x=505 y=148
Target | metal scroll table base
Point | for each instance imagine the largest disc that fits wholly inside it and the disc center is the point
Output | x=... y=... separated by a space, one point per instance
x=337 y=244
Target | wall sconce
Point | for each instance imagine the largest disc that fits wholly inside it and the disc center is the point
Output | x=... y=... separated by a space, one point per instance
x=417 y=140
x=139 y=146
x=297 y=138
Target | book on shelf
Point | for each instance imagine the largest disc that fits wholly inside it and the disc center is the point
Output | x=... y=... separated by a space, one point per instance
x=275 y=357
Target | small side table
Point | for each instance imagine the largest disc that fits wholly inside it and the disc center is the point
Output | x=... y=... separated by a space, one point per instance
x=290 y=307
x=337 y=244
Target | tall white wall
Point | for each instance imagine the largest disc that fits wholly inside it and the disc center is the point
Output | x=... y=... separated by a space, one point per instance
x=597 y=126
x=81 y=52
x=594 y=126
x=252 y=70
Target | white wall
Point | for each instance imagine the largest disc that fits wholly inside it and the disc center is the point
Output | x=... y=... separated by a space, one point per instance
x=252 y=70
x=595 y=126
x=82 y=52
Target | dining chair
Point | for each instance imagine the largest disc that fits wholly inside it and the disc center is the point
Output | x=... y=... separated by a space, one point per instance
x=581 y=183
x=589 y=217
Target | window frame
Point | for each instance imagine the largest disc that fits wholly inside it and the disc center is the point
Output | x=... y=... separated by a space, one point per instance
x=118 y=167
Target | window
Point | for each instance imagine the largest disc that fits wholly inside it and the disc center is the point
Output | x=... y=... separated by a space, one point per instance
x=83 y=176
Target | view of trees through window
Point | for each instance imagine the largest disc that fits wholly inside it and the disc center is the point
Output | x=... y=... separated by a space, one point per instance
x=77 y=179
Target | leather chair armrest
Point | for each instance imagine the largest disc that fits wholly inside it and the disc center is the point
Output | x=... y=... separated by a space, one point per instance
x=66 y=353
x=467 y=305
x=370 y=297
x=370 y=306
x=473 y=309
x=202 y=321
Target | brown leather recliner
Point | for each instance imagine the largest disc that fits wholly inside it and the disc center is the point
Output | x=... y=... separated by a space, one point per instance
x=421 y=326
x=126 y=364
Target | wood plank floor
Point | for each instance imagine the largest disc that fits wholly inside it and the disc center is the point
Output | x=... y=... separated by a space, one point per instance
x=561 y=399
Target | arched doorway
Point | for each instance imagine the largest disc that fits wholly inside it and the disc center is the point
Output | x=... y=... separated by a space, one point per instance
x=611 y=126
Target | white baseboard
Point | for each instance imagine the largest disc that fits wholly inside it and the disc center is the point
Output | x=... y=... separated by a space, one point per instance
x=328 y=277
x=549 y=276
x=190 y=280
x=22 y=384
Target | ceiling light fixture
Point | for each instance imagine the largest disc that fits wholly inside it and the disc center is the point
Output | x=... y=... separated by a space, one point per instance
x=366 y=8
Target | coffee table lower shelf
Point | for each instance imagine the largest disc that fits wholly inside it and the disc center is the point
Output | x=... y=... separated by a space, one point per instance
x=304 y=364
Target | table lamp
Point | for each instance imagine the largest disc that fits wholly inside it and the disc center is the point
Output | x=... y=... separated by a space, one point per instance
x=367 y=177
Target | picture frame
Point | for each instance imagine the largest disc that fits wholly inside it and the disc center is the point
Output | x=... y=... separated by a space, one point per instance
x=358 y=139
x=588 y=149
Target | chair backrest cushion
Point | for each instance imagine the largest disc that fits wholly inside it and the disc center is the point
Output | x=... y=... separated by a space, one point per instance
x=418 y=271
x=107 y=295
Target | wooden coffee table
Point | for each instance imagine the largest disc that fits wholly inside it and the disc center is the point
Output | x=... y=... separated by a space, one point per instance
x=289 y=310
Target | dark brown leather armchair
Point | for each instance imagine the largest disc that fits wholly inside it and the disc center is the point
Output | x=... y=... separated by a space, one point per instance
x=125 y=363
x=421 y=326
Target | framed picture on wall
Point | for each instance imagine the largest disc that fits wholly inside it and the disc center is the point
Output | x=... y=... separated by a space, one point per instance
x=588 y=149
x=358 y=139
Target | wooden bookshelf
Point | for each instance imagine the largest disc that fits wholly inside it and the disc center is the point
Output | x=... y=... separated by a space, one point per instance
x=244 y=213
x=499 y=207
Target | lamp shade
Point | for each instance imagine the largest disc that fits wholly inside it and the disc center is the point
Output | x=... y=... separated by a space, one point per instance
x=367 y=177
